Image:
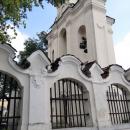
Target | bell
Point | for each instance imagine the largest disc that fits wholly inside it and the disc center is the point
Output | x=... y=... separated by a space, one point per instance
x=86 y=51
x=82 y=45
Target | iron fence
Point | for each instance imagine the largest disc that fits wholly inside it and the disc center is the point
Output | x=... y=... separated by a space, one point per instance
x=10 y=96
x=68 y=104
x=118 y=104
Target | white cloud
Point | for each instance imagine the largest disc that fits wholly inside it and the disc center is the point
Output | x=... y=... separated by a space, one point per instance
x=20 y=39
x=122 y=52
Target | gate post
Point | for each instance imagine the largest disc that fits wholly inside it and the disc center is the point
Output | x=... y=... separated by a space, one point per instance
x=102 y=110
x=100 y=97
x=39 y=107
x=39 y=115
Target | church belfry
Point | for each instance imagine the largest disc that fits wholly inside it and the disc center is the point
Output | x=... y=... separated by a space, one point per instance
x=67 y=94
x=82 y=29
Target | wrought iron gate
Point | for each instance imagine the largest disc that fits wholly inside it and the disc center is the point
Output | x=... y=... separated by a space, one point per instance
x=10 y=96
x=118 y=104
x=68 y=104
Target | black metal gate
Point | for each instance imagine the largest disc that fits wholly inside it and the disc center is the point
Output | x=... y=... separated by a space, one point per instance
x=118 y=104
x=68 y=104
x=10 y=96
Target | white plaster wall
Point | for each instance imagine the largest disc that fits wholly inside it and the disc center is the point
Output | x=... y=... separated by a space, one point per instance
x=36 y=82
x=8 y=66
x=109 y=46
x=104 y=43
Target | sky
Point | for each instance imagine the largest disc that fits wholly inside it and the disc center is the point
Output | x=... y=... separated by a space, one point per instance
x=41 y=20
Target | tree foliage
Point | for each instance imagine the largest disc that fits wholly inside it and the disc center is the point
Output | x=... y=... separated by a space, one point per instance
x=15 y=12
x=32 y=45
x=56 y=3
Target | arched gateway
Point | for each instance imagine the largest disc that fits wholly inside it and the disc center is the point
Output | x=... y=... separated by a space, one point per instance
x=70 y=104
x=10 y=101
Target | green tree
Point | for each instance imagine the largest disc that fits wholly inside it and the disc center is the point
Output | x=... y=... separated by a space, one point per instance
x=15 y=13
x=56 y=3
x=32 y=45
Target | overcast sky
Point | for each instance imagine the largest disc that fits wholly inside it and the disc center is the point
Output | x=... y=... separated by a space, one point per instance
x=41 y=19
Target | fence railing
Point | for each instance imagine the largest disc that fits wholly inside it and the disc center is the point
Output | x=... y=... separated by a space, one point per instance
x=10 y=96
x=68 y=104
x=118 y=104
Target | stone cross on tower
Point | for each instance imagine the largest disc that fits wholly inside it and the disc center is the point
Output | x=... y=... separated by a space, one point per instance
x=82 y=29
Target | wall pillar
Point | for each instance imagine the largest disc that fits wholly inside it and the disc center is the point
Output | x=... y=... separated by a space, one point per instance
x=39 y=113
x=102 y=108
x=39 y=93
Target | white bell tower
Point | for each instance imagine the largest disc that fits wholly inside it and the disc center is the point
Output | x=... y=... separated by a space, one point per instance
x=82 y=29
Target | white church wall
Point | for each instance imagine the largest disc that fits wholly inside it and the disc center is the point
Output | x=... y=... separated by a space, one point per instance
x=109 y=45
x=37 y=80
x=100 y=26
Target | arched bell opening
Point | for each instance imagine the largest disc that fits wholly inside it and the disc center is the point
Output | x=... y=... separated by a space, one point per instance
x=82 y=39
x=10 y=102
x=63 y=42
x=70 y=105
